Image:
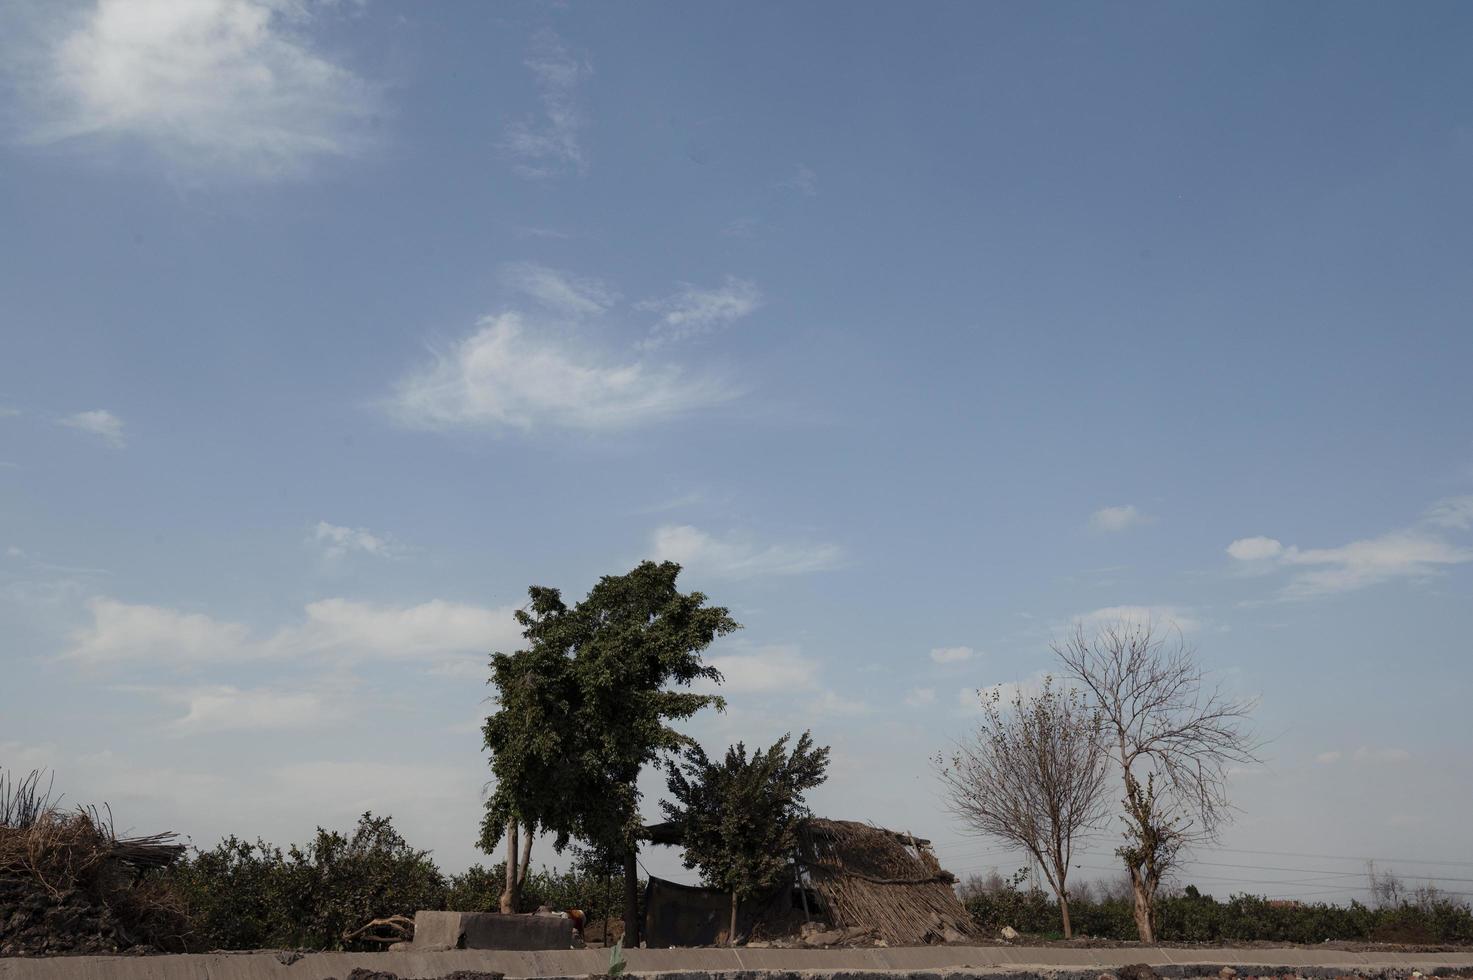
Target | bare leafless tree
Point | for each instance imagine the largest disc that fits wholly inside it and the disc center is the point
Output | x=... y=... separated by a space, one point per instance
x=1173 y=736
x=1032 y=775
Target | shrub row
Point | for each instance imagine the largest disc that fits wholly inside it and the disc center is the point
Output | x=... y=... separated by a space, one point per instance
x=1192 y=917
x=242 y=895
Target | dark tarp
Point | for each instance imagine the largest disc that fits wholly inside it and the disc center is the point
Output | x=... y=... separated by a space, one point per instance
x=685 y=915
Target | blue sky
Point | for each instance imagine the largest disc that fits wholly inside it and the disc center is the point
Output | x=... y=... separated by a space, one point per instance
x=915 y=334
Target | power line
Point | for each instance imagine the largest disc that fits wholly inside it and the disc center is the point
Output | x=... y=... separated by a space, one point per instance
x=1314 y=871
x=1338 y=857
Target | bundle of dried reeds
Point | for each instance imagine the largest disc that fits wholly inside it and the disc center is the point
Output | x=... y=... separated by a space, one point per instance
x=81 y=868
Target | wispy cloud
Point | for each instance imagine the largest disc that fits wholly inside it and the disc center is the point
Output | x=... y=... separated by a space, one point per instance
x=222 y=707
x=920 y=697
x=122 y=633
x=549 y=145
x=738 y=556
x=1453 y=512
x=336 y=541
x=1415 y=552
x=769 y=669
x=223 y=87
x=952 y=655
x=1364 y=756
x=101 y=423
x=692 y=310
x=559 y=292
x=1112 y=519
x=507 y=376
x=1129 y=616
x=834 y=704
x=804 y=180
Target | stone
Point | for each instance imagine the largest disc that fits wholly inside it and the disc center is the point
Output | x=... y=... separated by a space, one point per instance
x=1137 y=971
x=1009 y=933
x=1227 y=973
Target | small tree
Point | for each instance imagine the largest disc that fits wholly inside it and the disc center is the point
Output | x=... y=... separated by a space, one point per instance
x=588 y=704
x=1173 y=738
x=1031 y=775
x=739 y=818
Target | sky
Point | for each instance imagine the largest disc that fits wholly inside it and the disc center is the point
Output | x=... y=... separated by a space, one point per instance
x=916 y=334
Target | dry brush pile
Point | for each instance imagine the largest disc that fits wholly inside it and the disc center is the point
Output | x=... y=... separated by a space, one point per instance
x=69 y=884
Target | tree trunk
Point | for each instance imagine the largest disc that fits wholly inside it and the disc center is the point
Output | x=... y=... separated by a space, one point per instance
x=631 y=898
x=731 y=932
x=1143 y=924
x=511 y=893
x=526 y=861
x=1064 y=914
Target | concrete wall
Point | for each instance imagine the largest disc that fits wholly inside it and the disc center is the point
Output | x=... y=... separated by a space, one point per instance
x=489 y=930
x=995 y=962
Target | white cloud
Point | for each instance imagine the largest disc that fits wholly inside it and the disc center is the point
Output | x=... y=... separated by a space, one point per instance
x=559 y=292
x=337 y=541
x=772 y=669
x=428 y=629
x=234 y=87
x=1255 y=549
x=225 y=708
x=1328 y=758
x=14 y=552
x=952 y=655
x=1415 y=552
x=505 y=376
x=1110 y=519
x=736 y=556
x=693 y=310
x=550 y=146
x=1158 y=616
x=1453 y=512
x=919 y=697
x=123 y=633
x=101 y=423
x=1399 y=554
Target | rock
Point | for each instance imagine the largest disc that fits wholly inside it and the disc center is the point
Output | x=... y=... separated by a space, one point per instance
x=1227 y=973
x=1009 y=933
x=1107 y=976
x=831 y=937
x=1137 y=971
x=759 y=944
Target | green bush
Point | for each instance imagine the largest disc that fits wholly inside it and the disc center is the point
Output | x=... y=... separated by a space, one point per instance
x=250 y=896
x=242 y=895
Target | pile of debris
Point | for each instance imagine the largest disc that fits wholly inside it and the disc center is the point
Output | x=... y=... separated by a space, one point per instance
x=69 y=884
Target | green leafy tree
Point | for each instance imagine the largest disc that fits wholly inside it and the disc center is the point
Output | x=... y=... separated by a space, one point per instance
x=739 y=818
x=587 y=704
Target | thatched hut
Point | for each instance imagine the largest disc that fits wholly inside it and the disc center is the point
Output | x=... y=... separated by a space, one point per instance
x=859 y=876
x=882 y=879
